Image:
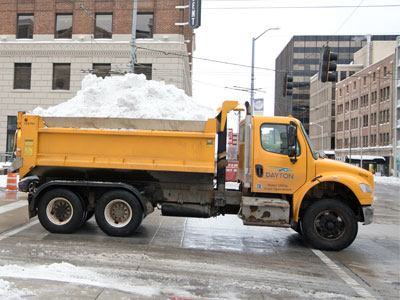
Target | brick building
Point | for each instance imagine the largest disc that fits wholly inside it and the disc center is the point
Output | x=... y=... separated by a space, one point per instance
x=364 y=115
x=48 y=46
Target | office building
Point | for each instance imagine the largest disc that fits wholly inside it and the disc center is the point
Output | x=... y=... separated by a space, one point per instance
x=47 y=47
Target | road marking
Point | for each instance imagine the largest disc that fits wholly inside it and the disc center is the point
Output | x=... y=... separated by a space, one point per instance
x=343 y=275
x=18 y=229
x=12 y=206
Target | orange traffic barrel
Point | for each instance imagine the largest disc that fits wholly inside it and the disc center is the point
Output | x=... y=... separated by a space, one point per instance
x=12 y=182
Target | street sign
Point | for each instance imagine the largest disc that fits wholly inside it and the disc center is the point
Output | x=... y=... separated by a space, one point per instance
x=259 y=106
x=230 y=136
x=194 y=13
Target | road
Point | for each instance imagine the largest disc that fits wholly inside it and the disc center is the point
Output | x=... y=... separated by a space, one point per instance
x=187 y=258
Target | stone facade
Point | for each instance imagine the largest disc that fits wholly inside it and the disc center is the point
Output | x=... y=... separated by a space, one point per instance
x=168 y=51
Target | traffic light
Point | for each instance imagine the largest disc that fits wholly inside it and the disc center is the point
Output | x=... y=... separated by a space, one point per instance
x=287 y=85
x=326 y=65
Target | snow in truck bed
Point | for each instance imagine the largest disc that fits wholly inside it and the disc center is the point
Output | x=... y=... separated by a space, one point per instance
x=129 y=96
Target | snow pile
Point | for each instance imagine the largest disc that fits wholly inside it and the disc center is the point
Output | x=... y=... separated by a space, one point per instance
x=7 y=291
x=387 y=180
x=129 y=96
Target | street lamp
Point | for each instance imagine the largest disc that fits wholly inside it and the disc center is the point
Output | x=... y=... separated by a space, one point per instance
x=252 y=67
x=322 y=135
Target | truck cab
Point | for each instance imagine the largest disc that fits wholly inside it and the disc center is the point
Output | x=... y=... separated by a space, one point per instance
x=286 y=183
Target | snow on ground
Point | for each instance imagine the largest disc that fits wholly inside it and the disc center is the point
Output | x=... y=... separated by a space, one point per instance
x=69 y=273
x=7 y=291
x=3 y=181
x=129 y=96
x=387 y=180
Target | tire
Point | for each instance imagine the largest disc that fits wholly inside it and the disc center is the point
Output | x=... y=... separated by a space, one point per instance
x=118 y=213
x=60 y=211
x=298 y=228
x=329 y=224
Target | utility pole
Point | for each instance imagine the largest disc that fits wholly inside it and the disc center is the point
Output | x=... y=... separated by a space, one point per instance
x=133 y=41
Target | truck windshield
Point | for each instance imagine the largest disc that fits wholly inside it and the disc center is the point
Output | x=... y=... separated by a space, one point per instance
x=314 y=154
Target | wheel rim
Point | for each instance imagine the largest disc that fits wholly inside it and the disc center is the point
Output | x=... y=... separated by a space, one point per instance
x=59 y=211
x=329 y=225
x=118 y=213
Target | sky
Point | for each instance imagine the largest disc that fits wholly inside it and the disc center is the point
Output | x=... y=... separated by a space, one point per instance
x=228 y=26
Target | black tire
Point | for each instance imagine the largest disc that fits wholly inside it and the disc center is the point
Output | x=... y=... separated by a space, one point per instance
x=298 y=228
x=329 y=224
x=60 y=211
x=118 y=213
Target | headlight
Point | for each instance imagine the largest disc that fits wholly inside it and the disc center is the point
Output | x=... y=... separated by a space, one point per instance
x=365 y=188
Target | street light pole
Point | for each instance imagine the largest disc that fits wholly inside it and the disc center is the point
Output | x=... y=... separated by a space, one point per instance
x=252 y=66
x=322 y=135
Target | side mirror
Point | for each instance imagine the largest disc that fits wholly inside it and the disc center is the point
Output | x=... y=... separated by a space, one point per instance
x=292 y=142
x=292 y=134
x=291 y=151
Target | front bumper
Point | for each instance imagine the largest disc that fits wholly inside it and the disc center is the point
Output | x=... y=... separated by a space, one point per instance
x=368 y=212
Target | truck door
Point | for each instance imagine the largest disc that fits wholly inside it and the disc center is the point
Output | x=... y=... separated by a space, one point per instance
x=273 y=170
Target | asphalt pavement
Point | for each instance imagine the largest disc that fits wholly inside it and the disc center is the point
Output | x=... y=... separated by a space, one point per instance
x=187 y=258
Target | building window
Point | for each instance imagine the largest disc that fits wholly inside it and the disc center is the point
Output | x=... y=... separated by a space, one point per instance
x=102 y=70
x=388 y=93
x=342 y=75
x=103 y=26
x=25 y=26
x=355 y=85
x=354 y=104
x=365 y=80
x=346 y=125
x=340 y=126
x=373 y=119
x=374 y=76
x=63 y=26
x=61 y=76
x=346 y=107
x=384 y=71
x=340 y=109
x=145 y=69
x=11 y=128
x=22 y=76
x=144 y=26
x=365 y=121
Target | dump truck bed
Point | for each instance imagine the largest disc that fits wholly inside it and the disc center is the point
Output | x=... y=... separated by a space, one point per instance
x=130 y=144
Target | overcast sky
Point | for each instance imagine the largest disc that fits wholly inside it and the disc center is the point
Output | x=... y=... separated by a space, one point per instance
x=228 y=26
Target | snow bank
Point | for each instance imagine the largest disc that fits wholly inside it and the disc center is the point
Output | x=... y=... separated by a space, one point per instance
x=387 y=180
x=129 y=96
x=7 y=291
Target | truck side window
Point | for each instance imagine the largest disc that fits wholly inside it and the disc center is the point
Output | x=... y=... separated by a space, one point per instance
x=274 y=138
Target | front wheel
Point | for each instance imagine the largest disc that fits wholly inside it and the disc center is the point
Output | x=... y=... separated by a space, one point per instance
x=329 y=224
x=118 y=213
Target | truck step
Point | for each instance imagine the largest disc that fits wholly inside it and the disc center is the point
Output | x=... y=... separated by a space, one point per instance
x=258 y=211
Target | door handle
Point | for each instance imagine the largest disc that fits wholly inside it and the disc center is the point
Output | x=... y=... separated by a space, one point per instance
x=259 y=170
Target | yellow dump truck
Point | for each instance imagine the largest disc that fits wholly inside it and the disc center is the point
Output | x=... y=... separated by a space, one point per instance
x=121 y=169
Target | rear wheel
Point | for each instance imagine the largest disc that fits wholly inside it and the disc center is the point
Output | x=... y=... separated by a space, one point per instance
x=60 y=211
x=118 y=213
x=329 y=225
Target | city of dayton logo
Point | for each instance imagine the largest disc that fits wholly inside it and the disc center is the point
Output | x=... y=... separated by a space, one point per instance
x=283 y=173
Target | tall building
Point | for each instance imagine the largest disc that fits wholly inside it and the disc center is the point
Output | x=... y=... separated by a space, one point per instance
x=300 y=58
x=322 y=110
x=48 y=46
x=364 y=121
